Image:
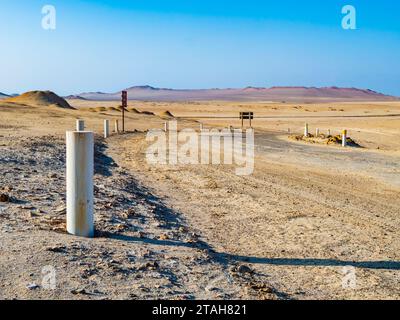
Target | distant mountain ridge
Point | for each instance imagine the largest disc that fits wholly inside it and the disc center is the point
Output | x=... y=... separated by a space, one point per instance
x=74 y=97
x=276 y=94
x=3 y=95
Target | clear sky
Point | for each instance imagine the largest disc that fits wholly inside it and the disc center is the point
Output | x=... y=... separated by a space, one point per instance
x=107 y=45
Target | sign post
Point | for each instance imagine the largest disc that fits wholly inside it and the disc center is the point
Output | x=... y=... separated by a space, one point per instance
x=124 y=106
x=247 y=116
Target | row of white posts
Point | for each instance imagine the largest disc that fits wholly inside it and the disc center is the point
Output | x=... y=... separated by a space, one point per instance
x=166 y=127
x=107 y=128
x=80 y=126
x=80 y=171
x=344 y=134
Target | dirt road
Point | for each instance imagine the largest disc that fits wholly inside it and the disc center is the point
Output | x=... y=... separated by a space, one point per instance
x=298 y=219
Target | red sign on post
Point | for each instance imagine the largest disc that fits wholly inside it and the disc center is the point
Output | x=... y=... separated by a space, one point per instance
x=124 y=106
x=125 y=98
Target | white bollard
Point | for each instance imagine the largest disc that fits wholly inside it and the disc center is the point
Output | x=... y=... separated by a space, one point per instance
x=317 y=132
x=329 y=132
x=116 y=126
x=201 y=127
x=80 y=170
x=166 y=126
x=106 y=128
x=344 y=138
x=306 y=130
x=80 y=125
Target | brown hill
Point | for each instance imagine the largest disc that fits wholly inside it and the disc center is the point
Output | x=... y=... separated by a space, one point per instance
x=40 y=98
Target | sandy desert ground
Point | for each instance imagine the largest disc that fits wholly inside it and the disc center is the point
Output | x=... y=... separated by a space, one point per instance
x=200 y=231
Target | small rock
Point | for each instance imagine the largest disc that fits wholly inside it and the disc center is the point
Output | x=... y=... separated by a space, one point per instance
x=32 y=286
x=150 y=266
x=130 y=212
x=212 y=185
x=4 y=197
x=163 y=237
x=27 y=207
x=79 y=291
x=61 y=249
x=244 y=269
x=121 y=227
x=61 y=210
x=32 y=214
x=53 y=176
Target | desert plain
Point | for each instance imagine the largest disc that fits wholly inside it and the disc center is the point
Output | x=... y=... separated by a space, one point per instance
x=308 y=216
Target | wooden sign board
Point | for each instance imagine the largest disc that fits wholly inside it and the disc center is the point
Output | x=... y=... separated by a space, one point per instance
x=247 y=115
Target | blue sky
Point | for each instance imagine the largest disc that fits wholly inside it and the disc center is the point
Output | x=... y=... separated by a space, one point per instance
x=108 y=45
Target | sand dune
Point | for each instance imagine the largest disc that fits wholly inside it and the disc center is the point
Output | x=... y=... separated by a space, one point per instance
x=40 y=98
x=166 y=115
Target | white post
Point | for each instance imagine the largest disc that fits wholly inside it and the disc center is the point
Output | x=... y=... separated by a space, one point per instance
x=166 y=126
x=201 y=127
x=80 y=125
x=80 y=170
x=329 y=132
x=317 y=132
x=116 y=126
x=106 y=128
x=344 y=138
x=306 y=130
